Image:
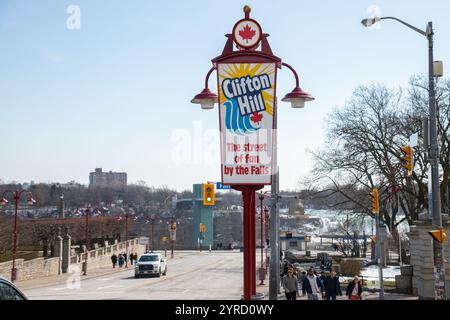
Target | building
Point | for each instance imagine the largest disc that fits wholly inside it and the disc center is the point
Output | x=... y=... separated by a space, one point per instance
x=107 y=179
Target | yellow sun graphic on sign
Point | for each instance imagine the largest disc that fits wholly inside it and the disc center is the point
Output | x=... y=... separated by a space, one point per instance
x=239 y=70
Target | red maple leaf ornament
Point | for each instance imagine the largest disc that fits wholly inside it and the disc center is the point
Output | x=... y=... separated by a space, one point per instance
x=256 y=117
x=247 y=33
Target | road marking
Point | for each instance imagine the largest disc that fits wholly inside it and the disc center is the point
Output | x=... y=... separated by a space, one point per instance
x=105 y=279
x=111 y=286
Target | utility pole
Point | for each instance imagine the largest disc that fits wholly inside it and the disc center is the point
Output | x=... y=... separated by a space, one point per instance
x=274 y=272
x=438 y=257
x=380 y=266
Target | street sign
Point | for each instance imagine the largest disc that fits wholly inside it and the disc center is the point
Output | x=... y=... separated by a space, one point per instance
x=438 y=235
x=246 y=110
x=144 y=240
x=220 y=186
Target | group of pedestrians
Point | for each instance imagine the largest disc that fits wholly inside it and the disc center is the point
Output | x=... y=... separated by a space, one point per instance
x=318 y=287
x=122 y=258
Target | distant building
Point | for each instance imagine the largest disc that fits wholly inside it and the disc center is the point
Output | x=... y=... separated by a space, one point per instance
x=107 y=179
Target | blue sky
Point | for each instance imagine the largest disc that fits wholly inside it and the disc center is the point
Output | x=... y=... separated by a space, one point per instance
x=116 y=92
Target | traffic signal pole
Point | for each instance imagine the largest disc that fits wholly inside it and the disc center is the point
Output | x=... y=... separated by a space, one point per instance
x=438 y=251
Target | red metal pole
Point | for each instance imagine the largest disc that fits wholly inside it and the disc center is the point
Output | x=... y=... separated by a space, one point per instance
x=126 y=240
x=261 y=231
x=246 y=194
x=86 y=241
x=267 y=232
x=13 y=269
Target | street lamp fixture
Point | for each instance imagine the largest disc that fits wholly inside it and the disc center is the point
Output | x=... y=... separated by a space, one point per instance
x=3 y=201
x=297 y=97
x=206 y=98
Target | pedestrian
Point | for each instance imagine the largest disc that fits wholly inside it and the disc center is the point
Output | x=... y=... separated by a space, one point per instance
x=312 y=285
x=124 y=256
x=131 y=258
x=290 y=285
x=135 y=257
x=332 y=286
x=354 y=289
x=114 y=260
x=121 y=260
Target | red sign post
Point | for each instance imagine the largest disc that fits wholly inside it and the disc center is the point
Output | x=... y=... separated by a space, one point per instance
x=246 y=81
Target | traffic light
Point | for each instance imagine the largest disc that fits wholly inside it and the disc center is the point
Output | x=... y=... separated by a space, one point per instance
x=209 y=198
x=375 y=202
x=408 y=159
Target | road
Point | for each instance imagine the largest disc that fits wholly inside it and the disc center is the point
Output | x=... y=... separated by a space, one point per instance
x=191 y=275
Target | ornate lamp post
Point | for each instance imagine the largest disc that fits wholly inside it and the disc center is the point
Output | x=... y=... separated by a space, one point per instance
x=87 y=212
x=247 y=112
x=16 y=194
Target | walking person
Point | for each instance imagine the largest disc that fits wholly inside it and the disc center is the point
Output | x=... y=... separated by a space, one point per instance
x=290 y=285
x=131 y=258
x=312 y=286
x=332 y=286
x=114 y=260
x=354 y=289
x=135 y=256
x=121 y=260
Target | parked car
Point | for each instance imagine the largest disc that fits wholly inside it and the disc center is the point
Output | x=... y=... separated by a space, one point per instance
x=8 y=291
x=150 y=264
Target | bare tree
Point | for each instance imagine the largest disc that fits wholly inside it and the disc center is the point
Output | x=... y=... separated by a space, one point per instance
x=363 y=151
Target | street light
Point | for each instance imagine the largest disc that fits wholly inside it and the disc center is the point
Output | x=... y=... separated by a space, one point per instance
x=87 y=212
x=440 y=291
x=206 y=98
x=297 y=97
x=16 y=194
x=246 y=72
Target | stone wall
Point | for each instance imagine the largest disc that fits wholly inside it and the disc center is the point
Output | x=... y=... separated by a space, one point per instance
x=41 y=267
x=30 y=269
x=421 y=250
x=102 y=257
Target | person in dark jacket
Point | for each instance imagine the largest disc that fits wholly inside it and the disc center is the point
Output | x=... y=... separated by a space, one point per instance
x=114 y=260
x=312 y=286
x=354 y=289
x=131 y=258
x=332 y=286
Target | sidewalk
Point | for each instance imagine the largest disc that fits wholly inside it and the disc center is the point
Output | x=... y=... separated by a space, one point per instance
x=64 y=277
x=365 y=296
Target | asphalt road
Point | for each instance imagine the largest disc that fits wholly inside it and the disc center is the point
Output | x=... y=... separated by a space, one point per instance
x=191 y=275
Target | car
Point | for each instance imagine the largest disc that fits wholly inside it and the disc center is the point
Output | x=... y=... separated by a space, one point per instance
x=8 y=291
x=150 y=264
